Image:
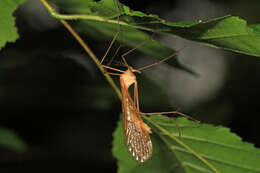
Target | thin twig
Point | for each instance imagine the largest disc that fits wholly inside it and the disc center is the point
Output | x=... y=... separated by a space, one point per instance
x=86 y=48
x=59 y=16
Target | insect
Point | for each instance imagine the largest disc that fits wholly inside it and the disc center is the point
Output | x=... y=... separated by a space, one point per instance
x=137 y=133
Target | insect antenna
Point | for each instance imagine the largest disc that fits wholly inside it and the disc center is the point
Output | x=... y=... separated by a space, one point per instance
x=120 y=63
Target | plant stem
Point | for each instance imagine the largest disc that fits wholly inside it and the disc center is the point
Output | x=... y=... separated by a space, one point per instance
x=59 y=16
x=86 y=48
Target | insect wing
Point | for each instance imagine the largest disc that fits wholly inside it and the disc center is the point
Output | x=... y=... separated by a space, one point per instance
x=138 y=141
x=137 y=137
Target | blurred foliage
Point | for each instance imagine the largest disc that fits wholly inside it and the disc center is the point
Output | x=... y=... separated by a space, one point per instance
x=228 y=32
x=66 y=111
x=9 y=140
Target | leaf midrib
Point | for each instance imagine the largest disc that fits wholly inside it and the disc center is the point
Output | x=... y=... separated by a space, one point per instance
x=213 y=159
x=208 y=141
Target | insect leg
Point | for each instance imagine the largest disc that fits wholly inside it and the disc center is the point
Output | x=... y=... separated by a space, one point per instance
x=162 y=60
x=136 y=97
x=131 y=50
x=171 y=112
x=115 y=36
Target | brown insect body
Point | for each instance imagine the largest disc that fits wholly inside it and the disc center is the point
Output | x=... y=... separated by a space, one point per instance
x=136 y=131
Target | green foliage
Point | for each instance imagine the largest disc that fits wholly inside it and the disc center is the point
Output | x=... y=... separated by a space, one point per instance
x=102 y=8
x=227 y=32
x=8 y=32
x=9 y=140
x=100 y=30
x=221 y=148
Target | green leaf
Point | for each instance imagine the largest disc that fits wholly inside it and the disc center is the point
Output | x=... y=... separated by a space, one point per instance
x=106 y=8
x=8 y=31
x=217 y=145
x=132 y=37
x=129 y=35
x=10 y=140
x=227 y=32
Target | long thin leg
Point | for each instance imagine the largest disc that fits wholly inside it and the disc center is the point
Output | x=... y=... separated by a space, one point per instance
x=170 y=112
x=136 y=97
x=111 y=68
x=116 y=74
x=113 y=57
x=109 y=47
x=131 y=50
x=115 y=36
x=177 y=126
x=159 y=62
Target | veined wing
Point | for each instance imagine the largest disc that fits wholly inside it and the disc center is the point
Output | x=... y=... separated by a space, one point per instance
x=136 y=131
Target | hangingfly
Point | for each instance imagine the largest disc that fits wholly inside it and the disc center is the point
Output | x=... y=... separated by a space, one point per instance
x=136 y=131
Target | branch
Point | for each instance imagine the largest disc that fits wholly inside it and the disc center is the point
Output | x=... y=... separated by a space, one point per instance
x=84 y=45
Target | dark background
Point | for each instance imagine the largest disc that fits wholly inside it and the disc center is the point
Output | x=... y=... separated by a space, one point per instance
x=57 y=101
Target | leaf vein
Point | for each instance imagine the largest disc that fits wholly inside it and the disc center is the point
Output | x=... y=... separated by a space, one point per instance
x=216 y=143
x=214 y=159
